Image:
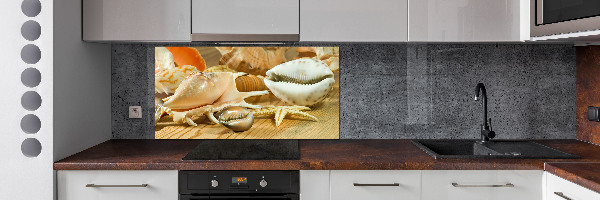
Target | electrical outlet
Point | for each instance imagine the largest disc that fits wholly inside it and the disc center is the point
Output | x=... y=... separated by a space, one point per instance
x=135 y=112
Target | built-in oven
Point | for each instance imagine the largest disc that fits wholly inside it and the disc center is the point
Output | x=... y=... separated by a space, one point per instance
x=554 y=17
x=235 y=185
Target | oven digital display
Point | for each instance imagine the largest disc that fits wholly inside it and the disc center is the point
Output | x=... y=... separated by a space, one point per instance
x=239 y=180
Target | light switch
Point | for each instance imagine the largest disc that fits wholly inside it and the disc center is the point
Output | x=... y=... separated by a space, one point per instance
x=593 y=114
x=135 y=112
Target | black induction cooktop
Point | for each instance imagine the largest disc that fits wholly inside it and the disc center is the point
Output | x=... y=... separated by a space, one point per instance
x=245 y=150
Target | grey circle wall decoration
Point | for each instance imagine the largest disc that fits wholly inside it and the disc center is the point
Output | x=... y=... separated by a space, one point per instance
x=31 y=147
x=31 y=100
x=31 y=30
x=30 y=124
x=31 y=77
x=31 y=54
x=31 y=8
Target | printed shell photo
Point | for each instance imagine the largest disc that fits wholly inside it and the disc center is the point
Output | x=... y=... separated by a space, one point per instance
x=246 y=92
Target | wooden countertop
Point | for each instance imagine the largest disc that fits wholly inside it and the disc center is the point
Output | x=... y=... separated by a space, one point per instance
x=581 y=173
x=314 y=155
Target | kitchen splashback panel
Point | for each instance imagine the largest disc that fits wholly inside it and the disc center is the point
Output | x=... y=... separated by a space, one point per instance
x=247 y=92
x=408 y=90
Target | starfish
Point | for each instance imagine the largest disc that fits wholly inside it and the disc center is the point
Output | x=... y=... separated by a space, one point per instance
x=281 y=111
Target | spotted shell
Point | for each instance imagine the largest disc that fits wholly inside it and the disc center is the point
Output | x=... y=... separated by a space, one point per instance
x=303 y=82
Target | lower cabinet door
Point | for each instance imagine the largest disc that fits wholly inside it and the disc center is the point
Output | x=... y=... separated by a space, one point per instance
x=482 y=184
x=375 y=185
x=560 y=189
x=117 y=185
x=314 y=185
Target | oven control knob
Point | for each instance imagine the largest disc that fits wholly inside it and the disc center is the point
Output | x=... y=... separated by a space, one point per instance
x=214 y=183
x=263 y=183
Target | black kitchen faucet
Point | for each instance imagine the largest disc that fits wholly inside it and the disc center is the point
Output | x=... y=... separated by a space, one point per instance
x=486 y=129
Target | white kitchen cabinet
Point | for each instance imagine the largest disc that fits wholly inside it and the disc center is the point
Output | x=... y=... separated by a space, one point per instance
x=354 y=20
x=314 y=184
x=243 y=20
x=379 y=184
x=117 y=185
x=482 y=184
x=561 y=189
x=468 y=20
x=136 y=20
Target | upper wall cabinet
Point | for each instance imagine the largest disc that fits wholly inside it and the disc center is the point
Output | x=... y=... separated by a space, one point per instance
x=468 y=20
x=354 y=20
x=136 y=20
x=245 y=20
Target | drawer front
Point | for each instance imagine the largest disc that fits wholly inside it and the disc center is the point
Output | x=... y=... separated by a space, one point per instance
x=314 y=184
x=566 y=189
x=162 y=185
x=408 y=184
x=482 y=184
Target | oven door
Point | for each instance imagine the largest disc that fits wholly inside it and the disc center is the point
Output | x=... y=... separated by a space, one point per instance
x=555 y=11
x=553 y=17
x=237 y=197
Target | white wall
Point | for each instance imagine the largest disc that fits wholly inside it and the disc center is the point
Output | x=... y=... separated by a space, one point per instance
x=82 y=84
x=75 y=91
x=24 y=177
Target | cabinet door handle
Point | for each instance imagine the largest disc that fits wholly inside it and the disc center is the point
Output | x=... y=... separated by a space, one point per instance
x=505 y=185
x=384 y=184
x=560 y=194
x=94 y=185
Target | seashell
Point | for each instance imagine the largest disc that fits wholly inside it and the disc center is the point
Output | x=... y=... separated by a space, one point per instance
x=334 y=63
x=254 y=60
x=250 y=83
x=326 y=52
x=163 y=60
x=281 y=112
x=187 y=56
x=329 y=55
x=303 y=82
x=236 y=118
x=305 y=52
x=167 y=81
x=219 y=68
x=203 y=94
x=224 y=50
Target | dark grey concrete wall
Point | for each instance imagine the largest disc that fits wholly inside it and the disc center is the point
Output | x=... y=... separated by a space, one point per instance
x=410 y=90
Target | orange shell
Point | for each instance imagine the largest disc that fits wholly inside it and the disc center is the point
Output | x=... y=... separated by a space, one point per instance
x=187 y=56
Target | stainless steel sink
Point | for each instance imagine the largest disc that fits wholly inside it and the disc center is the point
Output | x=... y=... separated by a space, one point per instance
x=493 y=149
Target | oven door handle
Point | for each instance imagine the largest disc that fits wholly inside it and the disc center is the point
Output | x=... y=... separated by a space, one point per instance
x=99 y=186
x=376 y=184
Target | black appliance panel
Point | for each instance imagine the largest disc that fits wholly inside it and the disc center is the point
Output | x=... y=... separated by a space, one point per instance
x=276 y=181
x=279 y=197
x=554 y=11
x=233 y=185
